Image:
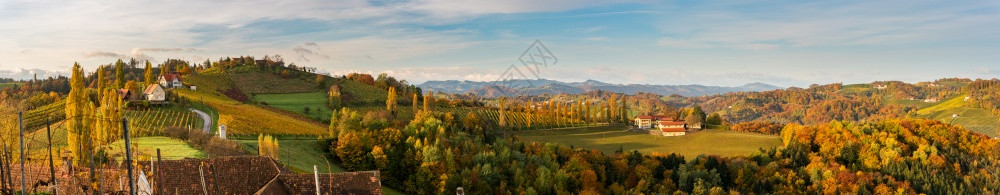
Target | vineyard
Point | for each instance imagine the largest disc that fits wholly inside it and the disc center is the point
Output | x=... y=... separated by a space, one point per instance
x=35 y=118
x=359 y=93
x=245 y=118
x=151 y=122
x=262 y=82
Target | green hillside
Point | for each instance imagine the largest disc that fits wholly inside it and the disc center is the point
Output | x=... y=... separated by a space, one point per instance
x=610 y=139
x=360 y=93
x=315 y=102
x=244 y=118
x=974 y=119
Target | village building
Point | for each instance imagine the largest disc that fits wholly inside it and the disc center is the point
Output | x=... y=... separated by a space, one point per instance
x=647 y=121
x=644 y=121
x=672 y=128
x=125 y=95
x=155 y=93
x=170 y=80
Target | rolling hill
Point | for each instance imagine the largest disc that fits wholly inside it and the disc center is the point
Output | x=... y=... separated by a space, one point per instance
x=542 y=86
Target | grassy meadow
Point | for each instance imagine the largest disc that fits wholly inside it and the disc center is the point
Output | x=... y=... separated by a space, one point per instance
x=610 y=139
x=297 y=102
x=170 y=148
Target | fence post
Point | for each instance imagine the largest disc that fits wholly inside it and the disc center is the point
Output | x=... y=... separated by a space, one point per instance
x=316 y=176
x=201 y=174
x=20 y=121
x=128 y=157
x=52 y=168
x=159 y=182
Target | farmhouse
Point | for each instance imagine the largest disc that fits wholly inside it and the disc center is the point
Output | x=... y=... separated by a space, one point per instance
x=647 y=121
x=155 y=93
x=124 y=95
x=170 y=80
x=672 y=128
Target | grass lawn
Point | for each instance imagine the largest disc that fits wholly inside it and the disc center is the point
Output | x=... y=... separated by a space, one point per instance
x=297 y=102
x=170 y=148
x=299 y=153
x=609 y=139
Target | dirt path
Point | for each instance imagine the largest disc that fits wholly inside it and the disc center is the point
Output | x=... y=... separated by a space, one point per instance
x=206 y=120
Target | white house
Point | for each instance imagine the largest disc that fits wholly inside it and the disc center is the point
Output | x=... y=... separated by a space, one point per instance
x=171 y=81
x=155 y=93
x=644 y=121
x=672 y=128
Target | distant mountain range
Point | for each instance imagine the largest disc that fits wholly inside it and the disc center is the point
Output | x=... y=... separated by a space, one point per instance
x=536 y=87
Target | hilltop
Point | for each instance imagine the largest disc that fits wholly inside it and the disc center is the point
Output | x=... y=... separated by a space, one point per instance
x=543 y=86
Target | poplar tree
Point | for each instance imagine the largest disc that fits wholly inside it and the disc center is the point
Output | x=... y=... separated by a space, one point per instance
x=623 y=109
x=101 y=82
x=528 y=113
x=586 y=109
x=119 y=74
x=428 y=101
x=163 y=69
x=415 y=103
x=78 y=133
x=148 y=74
x=503 y=116
x=390 y=102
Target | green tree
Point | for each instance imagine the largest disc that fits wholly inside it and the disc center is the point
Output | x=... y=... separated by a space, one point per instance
x=119 y=74
x=696 y=117
x=149 y=78
x=713 y=119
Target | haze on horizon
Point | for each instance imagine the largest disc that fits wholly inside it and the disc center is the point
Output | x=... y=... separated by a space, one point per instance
x=784 y=43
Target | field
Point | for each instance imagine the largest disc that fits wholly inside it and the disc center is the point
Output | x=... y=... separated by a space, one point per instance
x=4 y=85
x=610 y=139
x=299 y=152
x=260 y=82
x=145 y=147
x=245 y=118
x=297 y=102
x=973 y=119
x=355 y=92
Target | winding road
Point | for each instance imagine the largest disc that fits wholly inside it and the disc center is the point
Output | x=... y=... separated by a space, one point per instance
x=206 y=120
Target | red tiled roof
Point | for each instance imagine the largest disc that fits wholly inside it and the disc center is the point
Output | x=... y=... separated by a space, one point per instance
x=644 y=117
x=170 y=76
x=670 y=123
x=123 y=93
x=672 y=129
x=364 y=182
x=150 y=88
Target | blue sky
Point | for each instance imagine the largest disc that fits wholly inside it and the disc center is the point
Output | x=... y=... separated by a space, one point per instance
x=726 y=43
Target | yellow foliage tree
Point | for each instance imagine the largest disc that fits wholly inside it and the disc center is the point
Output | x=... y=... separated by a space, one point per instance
x=390 y=102
x=78 y=127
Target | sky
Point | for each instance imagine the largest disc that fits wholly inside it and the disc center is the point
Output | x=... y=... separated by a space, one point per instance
x=722 y=43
